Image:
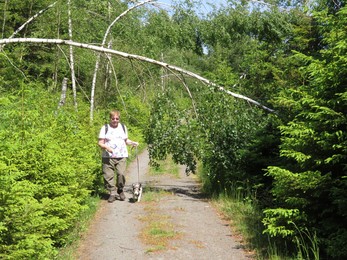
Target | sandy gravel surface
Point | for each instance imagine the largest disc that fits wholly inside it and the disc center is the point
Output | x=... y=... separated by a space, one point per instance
x=114 y=233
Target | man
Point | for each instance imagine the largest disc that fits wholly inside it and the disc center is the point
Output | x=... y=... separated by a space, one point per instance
x=113 y=139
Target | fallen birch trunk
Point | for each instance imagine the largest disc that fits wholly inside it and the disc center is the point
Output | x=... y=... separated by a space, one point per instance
x=133 y=57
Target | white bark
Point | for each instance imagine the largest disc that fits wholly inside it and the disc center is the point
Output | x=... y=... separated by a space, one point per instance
x=162 y=74
x=134 y=57
x=96 y=68
x=4 y=19
x=31 y=19
x=108 y=71
x=72 y=62
x=63 y=93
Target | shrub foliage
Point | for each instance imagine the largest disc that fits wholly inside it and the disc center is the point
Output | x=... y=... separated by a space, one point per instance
x=47 y=171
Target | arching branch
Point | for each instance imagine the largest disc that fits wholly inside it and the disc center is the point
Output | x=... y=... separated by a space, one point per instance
x=31 y=19
x=96 y=68
x=135 y=57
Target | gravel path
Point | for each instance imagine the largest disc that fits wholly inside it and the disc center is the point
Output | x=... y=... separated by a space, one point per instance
x=114 y=233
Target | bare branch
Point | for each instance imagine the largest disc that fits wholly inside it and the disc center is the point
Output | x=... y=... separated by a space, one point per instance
x=181 y=79
x=135 y=57
x=9 y=60
x=116 y=79
x=96 y=68
x=119 y=17
x=24 y=24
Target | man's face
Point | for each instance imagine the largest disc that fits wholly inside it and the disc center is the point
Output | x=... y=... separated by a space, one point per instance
x=114 y=120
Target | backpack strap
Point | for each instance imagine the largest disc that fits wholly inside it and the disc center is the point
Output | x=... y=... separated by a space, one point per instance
x=106 y=128
x=123 y=128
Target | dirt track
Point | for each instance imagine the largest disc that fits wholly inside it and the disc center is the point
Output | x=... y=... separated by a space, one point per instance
x=114 y=233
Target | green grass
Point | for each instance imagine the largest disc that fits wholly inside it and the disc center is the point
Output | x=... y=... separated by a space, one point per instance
x=165 y=167
x=240 y=208
x=151 y=195
x=243 y=219
x=158 y=228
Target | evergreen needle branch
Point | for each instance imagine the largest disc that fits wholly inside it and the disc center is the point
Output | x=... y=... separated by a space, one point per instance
x=134 y=57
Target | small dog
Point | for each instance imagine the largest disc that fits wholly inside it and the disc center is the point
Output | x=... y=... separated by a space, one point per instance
x=137 y=191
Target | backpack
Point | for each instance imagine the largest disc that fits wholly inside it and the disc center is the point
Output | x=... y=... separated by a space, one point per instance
x=106 y=128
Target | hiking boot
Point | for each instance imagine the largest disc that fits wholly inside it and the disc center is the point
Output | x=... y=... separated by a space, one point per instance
x=111 y=199
x=121 y=194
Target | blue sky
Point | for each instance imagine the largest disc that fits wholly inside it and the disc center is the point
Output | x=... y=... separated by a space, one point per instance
x=204 y=8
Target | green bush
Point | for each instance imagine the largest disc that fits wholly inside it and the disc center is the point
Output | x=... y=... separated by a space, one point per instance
x=48 y=162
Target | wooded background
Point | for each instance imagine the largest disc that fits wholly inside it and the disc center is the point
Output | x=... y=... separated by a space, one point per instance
x=253 y=92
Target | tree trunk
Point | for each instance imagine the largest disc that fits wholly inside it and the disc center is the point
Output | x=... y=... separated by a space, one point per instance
x=4 y=19
x=72 y=63
x=63 y=93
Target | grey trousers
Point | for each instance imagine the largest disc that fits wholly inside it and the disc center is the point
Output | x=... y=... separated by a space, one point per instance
x=110 y=167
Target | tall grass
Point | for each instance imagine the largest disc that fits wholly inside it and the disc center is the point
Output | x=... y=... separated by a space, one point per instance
x=240 y=206
x=306 y=244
